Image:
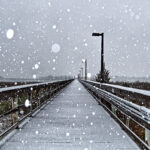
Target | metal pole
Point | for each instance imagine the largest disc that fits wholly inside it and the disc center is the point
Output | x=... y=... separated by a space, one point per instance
x=102 y=54
x=102 y=57
x=85 y=69
x=82 y=72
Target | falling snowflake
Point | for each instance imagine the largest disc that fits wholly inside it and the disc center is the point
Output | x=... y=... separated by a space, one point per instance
x=93 y=113
x=22 y=61
x=89 y=75
x=10 y=33
x=21 y=112
x=91 y=123
x=67 y=134
x=74 y=116
x=86 y=117
x=36 y=66
x=54 y=26
x=68 y=10
x=34 y=76
x=14 y=24
x=55 y=48
x=49 y=4
x=27 y=103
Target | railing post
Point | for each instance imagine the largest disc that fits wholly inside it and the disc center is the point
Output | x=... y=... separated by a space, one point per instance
x=15 y=105
x=147 y=136
x=39 y=97
x=30 y=99
x=113 y=108
x=49 y=94
x=127 y=121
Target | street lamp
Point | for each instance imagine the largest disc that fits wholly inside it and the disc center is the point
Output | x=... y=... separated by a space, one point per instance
x=81 y=72
x=85 y=61
x=102 y=54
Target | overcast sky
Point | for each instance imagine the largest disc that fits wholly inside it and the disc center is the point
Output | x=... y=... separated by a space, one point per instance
x=43 y=37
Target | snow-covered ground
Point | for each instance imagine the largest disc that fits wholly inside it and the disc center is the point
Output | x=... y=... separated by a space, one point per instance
x=72 y=121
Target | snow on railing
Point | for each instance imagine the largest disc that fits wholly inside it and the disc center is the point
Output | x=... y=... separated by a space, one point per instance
x=142 y=111
x=137 y=96
x=28 y=85
x=19 y=102
x=129 y=89
x=134 y=117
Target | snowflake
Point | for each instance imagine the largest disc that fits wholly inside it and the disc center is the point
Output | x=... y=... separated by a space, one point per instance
x=10 y=33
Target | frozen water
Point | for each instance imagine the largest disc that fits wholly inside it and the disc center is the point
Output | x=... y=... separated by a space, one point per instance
x=22 y=61
x=67 y=134
x=36 y=66
x=51 y=130
x=54 y=27
x=10 y=33
x=55 y=48
x=89 y=75
x=36 y=132
x=34 y=76
x=27 y=103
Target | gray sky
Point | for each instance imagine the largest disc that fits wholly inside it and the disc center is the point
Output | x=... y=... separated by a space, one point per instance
x=39 y=25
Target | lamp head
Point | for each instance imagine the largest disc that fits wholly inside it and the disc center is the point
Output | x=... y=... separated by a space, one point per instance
x=97 y=34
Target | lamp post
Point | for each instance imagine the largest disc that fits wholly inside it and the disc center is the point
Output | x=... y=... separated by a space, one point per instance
x=102 y=53
x=85 y=61
x=81 y=72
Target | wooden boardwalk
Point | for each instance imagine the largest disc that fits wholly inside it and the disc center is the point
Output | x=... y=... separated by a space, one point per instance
x=72 y=121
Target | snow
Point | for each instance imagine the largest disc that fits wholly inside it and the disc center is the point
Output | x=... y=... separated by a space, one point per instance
x=10 y=33
x=55 y=48
x=6 y=138
x=36 y=66
x=60 y=131
x=27 y=103
x=26 y=86
x=22 y=61
x=49 y=4
x=133 y=90
x=34 y=76
x=36 y=132
x=21 y=125
x=67 y=134
x=89 y=75
x=14 y=24
x=54 y=27
x=93 y=113
x=68 y=10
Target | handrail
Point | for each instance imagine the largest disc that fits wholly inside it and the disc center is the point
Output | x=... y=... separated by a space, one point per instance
x=29 y=85
x=129 y=89
x=140 y=111
x=130 y=111
x=137 y=96
x=37 y=96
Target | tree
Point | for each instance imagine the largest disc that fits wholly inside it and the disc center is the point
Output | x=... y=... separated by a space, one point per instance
x=98 y=77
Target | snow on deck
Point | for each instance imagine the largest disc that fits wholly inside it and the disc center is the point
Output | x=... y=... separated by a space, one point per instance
x=73 y=121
